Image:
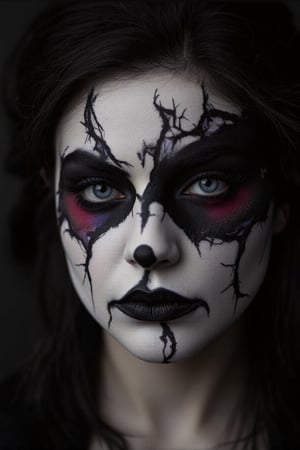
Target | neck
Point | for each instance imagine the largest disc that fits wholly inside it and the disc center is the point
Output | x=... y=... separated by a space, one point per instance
x=145 y=400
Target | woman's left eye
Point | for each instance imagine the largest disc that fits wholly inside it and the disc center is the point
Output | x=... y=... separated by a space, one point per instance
x=207 y=187
x=100 y=193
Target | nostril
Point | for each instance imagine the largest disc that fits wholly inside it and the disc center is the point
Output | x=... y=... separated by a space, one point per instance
x=131 y=261
x=164 y=261
x=144 y=256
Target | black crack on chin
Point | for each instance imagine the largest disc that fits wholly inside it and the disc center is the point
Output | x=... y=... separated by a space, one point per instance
x=169 y=341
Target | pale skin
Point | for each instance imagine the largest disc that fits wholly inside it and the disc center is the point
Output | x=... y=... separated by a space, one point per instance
x=189 y=404
x=192 y=402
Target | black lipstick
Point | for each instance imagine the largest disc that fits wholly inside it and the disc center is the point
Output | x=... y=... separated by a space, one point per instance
x=156 y=306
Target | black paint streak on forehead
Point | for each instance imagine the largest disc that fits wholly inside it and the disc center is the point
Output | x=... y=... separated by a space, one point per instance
x=168 y=337
x=211 y=121
x=95 y=131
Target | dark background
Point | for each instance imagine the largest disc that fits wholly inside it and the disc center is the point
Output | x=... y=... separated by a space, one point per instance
x=19 y=318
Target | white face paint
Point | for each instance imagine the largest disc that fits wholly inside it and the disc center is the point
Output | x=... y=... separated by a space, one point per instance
x=162 y=162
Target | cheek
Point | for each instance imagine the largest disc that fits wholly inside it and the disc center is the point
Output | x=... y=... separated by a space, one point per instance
x=255 y=260
x=232 y=206
x=81 y=222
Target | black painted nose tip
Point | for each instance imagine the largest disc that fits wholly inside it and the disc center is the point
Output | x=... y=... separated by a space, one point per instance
x=144 y=256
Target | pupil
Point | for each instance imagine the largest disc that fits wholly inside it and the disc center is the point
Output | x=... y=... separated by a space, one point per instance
x=209 y=184
x=102 y=190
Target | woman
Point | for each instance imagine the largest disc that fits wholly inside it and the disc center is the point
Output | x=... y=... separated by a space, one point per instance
x=165 y=135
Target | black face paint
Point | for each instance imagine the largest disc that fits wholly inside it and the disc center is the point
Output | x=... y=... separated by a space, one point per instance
x=70 y=209
x=95 y=132
x=224 y=143
x=168 y=337
x=211 y=122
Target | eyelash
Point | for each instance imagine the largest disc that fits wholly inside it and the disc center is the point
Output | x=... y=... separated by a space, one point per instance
x=232 y=180
x=87 y=183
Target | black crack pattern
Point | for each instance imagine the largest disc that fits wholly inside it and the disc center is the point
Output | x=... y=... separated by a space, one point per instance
x=211 y=121
x=95 y=131
x=169 y=341
x=240 y=235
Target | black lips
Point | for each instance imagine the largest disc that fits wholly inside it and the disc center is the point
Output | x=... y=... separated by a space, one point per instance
x=158 y=305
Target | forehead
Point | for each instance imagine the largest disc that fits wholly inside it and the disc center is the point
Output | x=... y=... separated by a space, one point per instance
x=125 y=110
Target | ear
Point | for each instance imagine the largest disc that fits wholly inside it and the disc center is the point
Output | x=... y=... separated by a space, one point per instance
x=281 y=218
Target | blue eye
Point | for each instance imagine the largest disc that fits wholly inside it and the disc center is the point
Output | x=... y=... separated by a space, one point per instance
x=207 y=187
x=100 y=192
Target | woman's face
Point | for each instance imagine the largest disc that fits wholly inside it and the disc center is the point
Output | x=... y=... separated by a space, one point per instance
x=165 y=211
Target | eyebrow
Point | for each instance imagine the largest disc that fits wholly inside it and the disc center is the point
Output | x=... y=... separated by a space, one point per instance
x=243 y=139
x=240 y=140
x=79 y=159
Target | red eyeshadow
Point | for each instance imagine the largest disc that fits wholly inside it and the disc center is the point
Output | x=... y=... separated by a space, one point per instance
x=231 y=206
x=81 y=220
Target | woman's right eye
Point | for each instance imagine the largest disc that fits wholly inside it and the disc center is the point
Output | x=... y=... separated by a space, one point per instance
x=100 y=193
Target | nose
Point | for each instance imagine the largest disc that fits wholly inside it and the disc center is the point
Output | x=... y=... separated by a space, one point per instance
x=144 y=256
x=153 y=247
x=148 y=257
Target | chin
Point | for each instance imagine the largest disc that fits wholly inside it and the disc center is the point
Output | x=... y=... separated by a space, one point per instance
x=157 y=343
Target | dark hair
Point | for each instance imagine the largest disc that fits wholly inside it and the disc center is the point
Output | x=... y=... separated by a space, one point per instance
x=248 y=50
